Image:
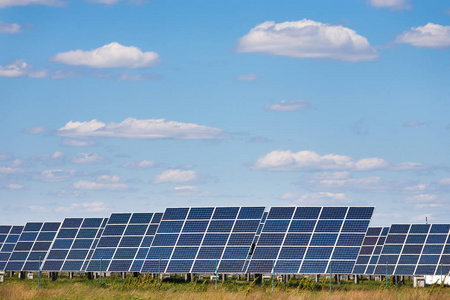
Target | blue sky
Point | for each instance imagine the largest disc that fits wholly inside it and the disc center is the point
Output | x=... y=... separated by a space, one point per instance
x=116 y=105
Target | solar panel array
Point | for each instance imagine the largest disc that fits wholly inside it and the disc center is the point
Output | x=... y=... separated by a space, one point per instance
x=286 y=240
x=415 y=249
x=74 y=244
x=309 y=239
x=9 y=235
x=32 y=246
x=125 y=242
x=370 y=250
x=201 y=239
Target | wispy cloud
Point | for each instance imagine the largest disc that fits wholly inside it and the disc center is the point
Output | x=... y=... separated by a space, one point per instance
x=394 y=4
x=131 y=128
x=176 y=176
x=35 y=130
x=248 y=77
x=280 y=160
x=284 y=105
x=413 y=123
x=77 y=143
x=9 y=27
x=141 y=165
x=307 y=39
x=104 y=182
x=89 y=159
x=19 y=68
x=6 y=3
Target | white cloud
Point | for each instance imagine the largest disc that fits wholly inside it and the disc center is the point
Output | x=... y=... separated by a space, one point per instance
x=109 y=2
x=280 y=160
x=444 y=181
x=177 y=176
x=421 y=198
x=248 y=77
x=95 y=185
x=6 y=3
x=127 y=76
x=20 y=68
x=109 y=179
x=189 y=191
x=422 y=218
x=55 y=175
x=143 y=164
x=68 y=194
x=140 y=129
x=394 y=4
x=89 y=159
x=77 y=143
x=307 y=39
x=6 y=157
x=14 y=186
x=413 y=123
x=84 y=207
x=428 y=36
x=35 y=130
x=113 y=55
x=9 y=27
x=284 y=105
x=9 y=170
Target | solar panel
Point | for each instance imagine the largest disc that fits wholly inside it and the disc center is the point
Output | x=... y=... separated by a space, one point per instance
x=9 y=237
x=74 y=243
x=371 y=246
x=124 y=242
x=201 y=239
x=32 y=246
x=414 y=249
x=307 y=239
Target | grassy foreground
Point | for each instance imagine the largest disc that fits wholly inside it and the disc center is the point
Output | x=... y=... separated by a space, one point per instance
x=146 y=288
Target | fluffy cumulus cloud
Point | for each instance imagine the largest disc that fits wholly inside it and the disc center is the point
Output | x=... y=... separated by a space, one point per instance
x=9 y=27
x=394 y=4
x=20 y=68
x=89 y=159
x=113 y=55
x=104 y=182
x=177 y=176
x=6 y=3
x=307 y=39
x=143 y=164
x=280 y=160
x=428 y=36
x=139 y=129
x=284 y=105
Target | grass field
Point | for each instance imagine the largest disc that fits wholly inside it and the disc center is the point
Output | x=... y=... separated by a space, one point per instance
x=146 y=288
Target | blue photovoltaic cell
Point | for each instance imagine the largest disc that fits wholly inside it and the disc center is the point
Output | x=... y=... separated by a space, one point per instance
x=231 y=266
x=419 y=228
x=314 y=267
x=210 y=253
x=273 y=239
x=235 y=253
x=333 y=212
x=323 y=239
x=399 y=228
x=175 y=213
x=204 y=266
x=440 y=228
x=374 y=231
x=181 y=266
x=190 y=240
x=195 y=226
x=287 y=266
x=72 y=222
x=346 y=239
x=408 y=260
x=302 y=226
x=119 y=218
x=318 y=252
x=157 y=218
x=266 y=253
x=200 y=213
x=225 y=213
x=355 y=226
x=170 y=226
x=281 y=213
x=416 y=238
x=311 y=213
x=246 y=226
x=276 y=226
x=328 y=226
x=292 y=252
x=141 y=218
x=260 y=266
x=296 y=239
x=361 y=213
x=345 y=253
x=185 y=253
x=251 y=213
x=220 y=226
x=341 y=267
x=436 y=239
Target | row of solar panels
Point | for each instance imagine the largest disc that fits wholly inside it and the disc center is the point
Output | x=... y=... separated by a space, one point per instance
x=290 y=240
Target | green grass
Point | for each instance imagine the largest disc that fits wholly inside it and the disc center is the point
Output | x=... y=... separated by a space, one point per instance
x=144 y=287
